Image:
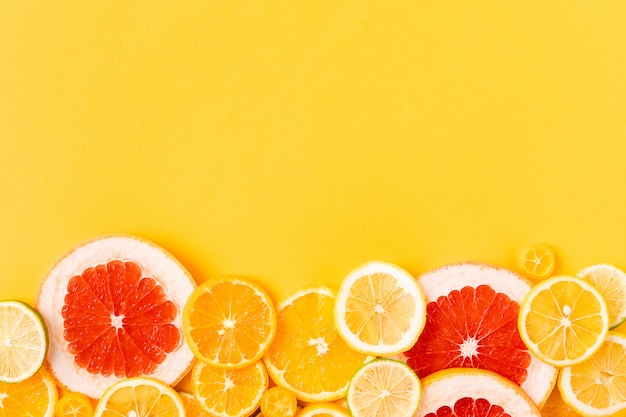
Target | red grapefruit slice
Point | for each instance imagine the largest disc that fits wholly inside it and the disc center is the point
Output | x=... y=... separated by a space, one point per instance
x=113 y=308
x=471 y=322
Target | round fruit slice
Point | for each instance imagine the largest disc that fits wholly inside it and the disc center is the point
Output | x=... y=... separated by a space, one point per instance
x=140 y=397
x=464 y=392
x=471 y=322
x=279 y=402
x=229 y=322
x=596 y=386
x=538 y=261
x=224 y=392
x=324 y=410
x=24 y=341
x=307 y=355
x=74 y=404
x=33 y=397
x=610 y=282
x=380 y=309
x=113 y=308
x=563 y=320
x=556 y=407
x=385 y=388
x=192 y=405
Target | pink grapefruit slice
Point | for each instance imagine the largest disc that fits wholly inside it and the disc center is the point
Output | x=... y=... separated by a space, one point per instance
x=471 y=322
x=113 y=308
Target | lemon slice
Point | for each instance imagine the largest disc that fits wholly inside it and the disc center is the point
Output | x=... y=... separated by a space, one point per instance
x=23 y=341
x=563 y=320
x=610 y=281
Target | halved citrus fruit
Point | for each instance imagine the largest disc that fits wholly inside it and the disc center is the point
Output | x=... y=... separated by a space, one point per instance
x=597 y=387
x=307 y=355
x=556 y=407
x=610 y=281
x=380 y=309
x=23 y=341
x=466 y=392
x=384 y=388
x=471 y=322
x=229 y=322
x=192 y=405
x=74 y=404
x=563 y=320
x=224 y=392
x=279 y=402
x=140 y=397
x=324 y=410
x=538 y=261
x=113 y=308
x=33 y=397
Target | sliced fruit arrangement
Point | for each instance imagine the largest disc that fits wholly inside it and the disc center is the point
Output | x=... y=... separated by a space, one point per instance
x=113 y=309
x=563 y=320
x=610 y=281
x=33 y=397
x=380 y=309
x=471 y=322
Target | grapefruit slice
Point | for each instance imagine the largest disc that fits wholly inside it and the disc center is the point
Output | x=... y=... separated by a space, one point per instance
x=463 y=392
x=471 y=322
x=113 y=308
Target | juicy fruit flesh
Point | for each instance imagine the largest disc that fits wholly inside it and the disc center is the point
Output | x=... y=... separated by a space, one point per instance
x=470 y=407
x=117 y=322
x=471 y=328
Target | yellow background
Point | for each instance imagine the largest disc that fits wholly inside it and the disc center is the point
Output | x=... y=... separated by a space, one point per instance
x=291 y=142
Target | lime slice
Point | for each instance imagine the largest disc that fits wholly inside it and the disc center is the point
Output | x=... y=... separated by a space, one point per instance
x=23 y=341
x=610 y=282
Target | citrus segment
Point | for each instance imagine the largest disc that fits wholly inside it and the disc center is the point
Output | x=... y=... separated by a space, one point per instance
x=324 y=410
x=307 y=355
x=229 y=322
x=610 y=282
x=385 y=388
x=279 y=402
x=556 y=407
x=192 y=405
x=538 y=261
x=224 y=392
x=380 y=309
x=74 y=404
x=113 y=309
x=24 y=341
x=563 y=320
x=140 y=397
x=33 y=397
x=465 y=392
x=597 y=387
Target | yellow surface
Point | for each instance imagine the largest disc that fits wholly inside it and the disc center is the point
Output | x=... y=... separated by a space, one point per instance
x=290 y=142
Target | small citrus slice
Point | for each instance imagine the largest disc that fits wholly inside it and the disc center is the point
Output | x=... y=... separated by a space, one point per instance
x=563 y=320
x=113 y=308
x=140 y=397
x=467 y=392
x=610 y=281
x=380 y=309
x=224 y=392
x=324 y=410
x=229 y=322
x=33 y=397
x=307 y=355
x=385 y=388
x=538 y=261
x=596 y=386
x=24 y=341
x=556 y=407
x=279 y=402
x=74 y=404
x=192 y=405
x=471 y=322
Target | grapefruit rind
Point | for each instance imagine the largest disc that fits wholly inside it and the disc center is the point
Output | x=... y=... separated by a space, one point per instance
x=445 y=387
x=155 y=262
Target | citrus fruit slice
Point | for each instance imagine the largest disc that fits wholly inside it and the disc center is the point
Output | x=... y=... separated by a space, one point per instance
x=192 y=405
x=23 y=341
x=140 y=397
x=538 y=261
x=465 y=392
x=307 y=355
x=556 y=407
x=74 y=404
x=33 y=397
x=596 y=386
x=113 y=308
x=224 y=392
x=610 y=282
x=563 y=320
x=279 y=402
x=380 y=309
x=324 y=410
x=384 y=388
x=471 y=322
x=229 y=322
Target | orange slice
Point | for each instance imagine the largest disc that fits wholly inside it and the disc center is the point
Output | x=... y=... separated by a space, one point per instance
x=74 y=404
x=35 y=396
x=324 y=410
x=307 y=356
x=192 y=405
x=556 y=407
x=538 y=261
x=279 y=402
x=224 y=392
x=380 y=309
x=229 y=322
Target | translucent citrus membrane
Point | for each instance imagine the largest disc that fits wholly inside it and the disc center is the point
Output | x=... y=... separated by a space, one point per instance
x=538 y=261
